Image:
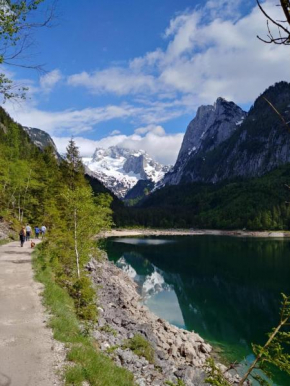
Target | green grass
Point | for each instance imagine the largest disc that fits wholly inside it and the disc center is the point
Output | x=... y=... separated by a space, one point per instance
x=108 y=329
x=5 y=241
x=88 y=363
x=141 y=347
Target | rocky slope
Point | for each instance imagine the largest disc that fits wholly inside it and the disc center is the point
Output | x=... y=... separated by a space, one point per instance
x=140 y=190
x=120 y=169
x=41 y=139
x=223 y=142
x=6 y=230
x=179 y=354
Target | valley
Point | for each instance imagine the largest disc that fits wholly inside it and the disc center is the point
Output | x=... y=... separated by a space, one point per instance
x=145 y=193
x=232 y=171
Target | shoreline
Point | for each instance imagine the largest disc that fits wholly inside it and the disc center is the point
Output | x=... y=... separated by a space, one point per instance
x=194 y=232
x=179 y=354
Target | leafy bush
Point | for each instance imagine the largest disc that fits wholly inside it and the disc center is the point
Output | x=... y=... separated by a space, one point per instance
x=84 y=298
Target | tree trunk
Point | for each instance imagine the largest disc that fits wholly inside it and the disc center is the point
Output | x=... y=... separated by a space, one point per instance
x=76 y=243
x=19 y=209
x=25 y=193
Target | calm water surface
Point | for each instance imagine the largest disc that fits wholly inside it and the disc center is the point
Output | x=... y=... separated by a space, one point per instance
x=227 y=289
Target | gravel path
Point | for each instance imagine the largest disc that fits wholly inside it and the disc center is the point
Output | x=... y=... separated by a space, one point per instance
x=28 y=354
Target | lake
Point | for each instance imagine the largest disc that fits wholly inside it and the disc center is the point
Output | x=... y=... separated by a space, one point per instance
x=225 y=288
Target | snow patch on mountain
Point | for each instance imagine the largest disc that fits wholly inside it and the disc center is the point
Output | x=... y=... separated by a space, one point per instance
x=120 y=169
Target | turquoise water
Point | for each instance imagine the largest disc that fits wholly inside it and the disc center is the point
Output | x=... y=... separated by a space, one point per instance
x=227 y=289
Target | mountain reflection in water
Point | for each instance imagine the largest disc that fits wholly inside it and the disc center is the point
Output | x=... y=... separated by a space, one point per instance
x=226 y=289
x=153 y=288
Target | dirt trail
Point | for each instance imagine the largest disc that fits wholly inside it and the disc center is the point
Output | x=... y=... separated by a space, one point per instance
x=27 y=350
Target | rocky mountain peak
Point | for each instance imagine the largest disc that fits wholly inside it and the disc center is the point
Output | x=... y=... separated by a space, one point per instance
x=223 y=142
x=119 y=169
x=115 y=152
x=212 y=125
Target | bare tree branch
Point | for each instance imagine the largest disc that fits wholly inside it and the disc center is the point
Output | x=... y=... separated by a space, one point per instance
x=281 y=40
x=277 y=112
x=18 y=20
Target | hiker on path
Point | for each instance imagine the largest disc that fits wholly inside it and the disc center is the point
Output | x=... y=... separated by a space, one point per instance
x=37 y=231
x=43 y=230
x=28 y=232
x=22 y=236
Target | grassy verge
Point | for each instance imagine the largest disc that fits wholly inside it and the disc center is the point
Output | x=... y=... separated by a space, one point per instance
x=4 y=241
x=86 y=362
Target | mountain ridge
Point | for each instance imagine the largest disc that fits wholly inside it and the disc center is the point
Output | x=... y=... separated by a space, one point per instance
x=253 y=147
x=119 y=169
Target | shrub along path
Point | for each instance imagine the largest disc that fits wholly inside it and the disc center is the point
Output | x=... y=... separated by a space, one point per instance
x=26 y=344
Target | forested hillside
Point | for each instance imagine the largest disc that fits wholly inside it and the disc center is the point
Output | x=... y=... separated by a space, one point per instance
x=39 y=189
x=258 y=203
x=23 y=174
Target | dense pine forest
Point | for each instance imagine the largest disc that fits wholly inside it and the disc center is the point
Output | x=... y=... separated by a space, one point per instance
x=255 y=204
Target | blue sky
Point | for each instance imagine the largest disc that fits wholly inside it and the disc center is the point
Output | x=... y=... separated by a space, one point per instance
x=133 y=72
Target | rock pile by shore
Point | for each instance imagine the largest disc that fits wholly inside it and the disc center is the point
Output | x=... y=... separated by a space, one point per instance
x=178 y=354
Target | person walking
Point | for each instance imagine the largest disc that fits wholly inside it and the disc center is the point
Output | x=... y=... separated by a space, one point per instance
x=43 y=231
x=22 y=236
x=37 y=231
x=28 y=232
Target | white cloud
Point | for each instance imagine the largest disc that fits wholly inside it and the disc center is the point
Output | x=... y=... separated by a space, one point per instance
x=72 y=121
x=86 y=146
x=223 y=8
x=161 y=146
x=114 y=80
x=212 y=51
x=115 y=132
x=157 y=130
x=48 y=81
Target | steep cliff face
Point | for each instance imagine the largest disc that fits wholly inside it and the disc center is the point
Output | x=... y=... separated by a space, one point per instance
x=235 y=144
x=211 y=126
x=263 y=141
x=136 y=164
x=41 y=139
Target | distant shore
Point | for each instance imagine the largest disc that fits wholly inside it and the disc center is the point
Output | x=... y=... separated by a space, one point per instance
x=194 y=232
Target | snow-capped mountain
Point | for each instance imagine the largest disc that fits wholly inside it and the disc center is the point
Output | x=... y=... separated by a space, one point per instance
x=120 y=169
x=150 y=284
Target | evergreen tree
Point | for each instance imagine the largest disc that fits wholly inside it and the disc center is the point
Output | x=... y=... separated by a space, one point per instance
x=73 y=169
